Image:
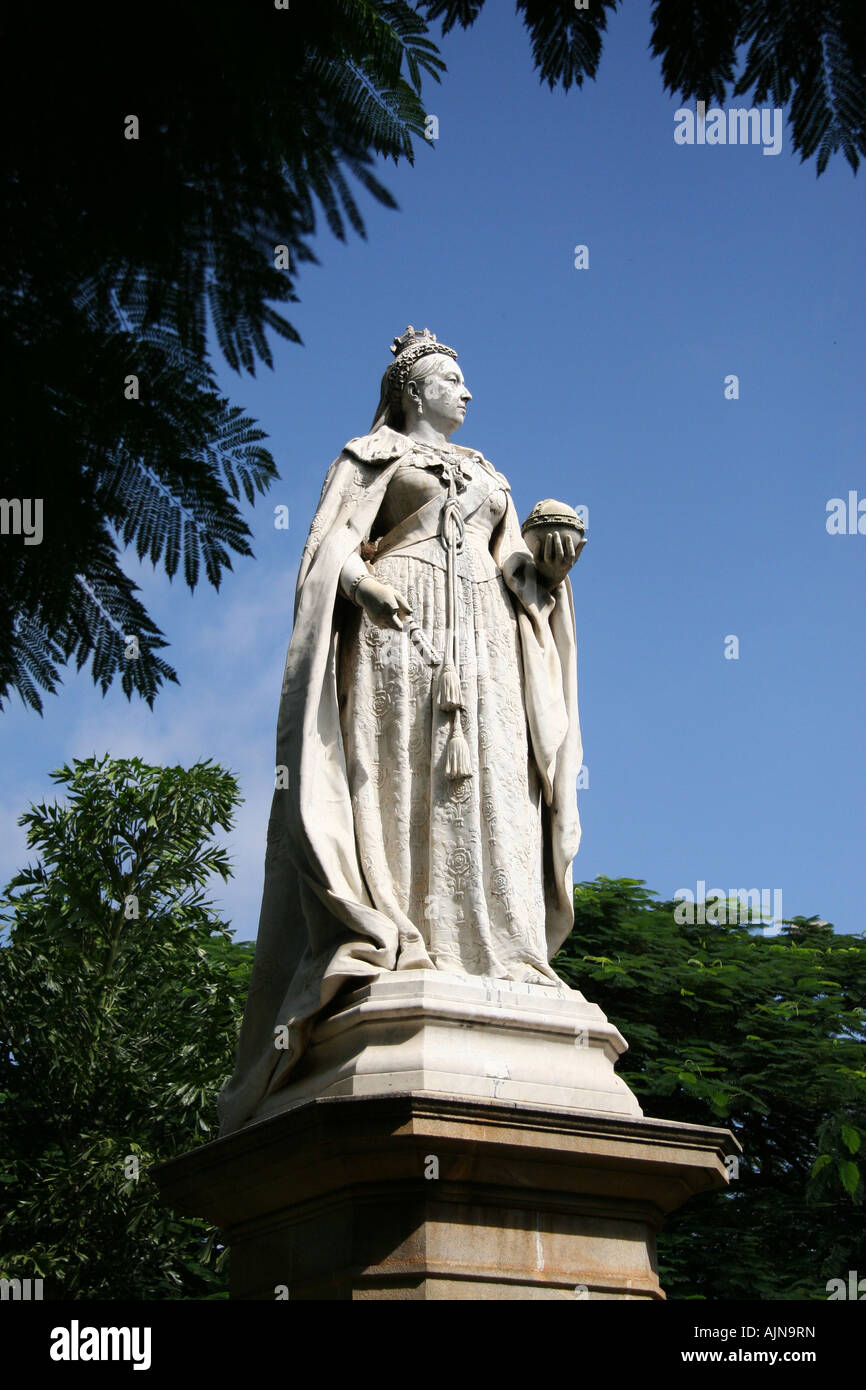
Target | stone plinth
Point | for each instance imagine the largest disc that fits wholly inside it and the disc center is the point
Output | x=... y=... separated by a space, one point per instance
x=452 y=1035
x=417 y=1197
x=450 y=1138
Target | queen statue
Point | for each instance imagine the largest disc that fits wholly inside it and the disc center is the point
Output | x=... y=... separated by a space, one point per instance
x=428 y=746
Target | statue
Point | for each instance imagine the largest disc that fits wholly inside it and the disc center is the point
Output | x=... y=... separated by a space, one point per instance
x=428 y=746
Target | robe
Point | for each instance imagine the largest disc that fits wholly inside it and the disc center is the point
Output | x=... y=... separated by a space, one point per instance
x=319 y=927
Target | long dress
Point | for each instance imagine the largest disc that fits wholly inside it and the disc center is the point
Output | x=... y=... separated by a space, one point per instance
x=456 y=863
x=380 y=857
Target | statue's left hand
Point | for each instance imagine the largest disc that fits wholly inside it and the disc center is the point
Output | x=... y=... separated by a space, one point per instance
x=557 y=554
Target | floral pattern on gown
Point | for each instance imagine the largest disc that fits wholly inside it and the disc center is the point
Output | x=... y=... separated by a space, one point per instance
x=456 y=864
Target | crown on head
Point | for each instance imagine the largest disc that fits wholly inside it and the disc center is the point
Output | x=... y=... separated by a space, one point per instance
x=407 y=349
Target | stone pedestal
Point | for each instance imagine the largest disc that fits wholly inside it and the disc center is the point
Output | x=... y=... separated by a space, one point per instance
x=452 y=1035
x=447 y=1138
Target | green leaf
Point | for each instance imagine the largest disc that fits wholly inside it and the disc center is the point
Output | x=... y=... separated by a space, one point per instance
x=850 y=1175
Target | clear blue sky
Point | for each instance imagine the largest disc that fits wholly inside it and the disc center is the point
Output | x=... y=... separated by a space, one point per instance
x=603 y=387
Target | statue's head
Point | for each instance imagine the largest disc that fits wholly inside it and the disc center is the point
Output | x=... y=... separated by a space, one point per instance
x=423 y=381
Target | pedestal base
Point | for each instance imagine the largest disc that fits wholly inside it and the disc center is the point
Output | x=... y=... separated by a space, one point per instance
x=450 y=1137
x=433 y=1033
x=419 y=1197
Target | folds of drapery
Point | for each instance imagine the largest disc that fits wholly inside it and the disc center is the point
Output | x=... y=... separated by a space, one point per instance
x=317 y=925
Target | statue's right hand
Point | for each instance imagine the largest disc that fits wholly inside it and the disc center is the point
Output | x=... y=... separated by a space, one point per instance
x=384 y=606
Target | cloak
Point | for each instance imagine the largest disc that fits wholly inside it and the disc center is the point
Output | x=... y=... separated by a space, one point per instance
x=318 y=926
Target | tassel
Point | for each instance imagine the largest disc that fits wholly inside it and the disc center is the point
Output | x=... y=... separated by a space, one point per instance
x=457 y=761
x=450 y=696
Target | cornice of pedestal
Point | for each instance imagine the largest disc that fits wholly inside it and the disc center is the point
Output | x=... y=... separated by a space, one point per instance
x=487 y=1151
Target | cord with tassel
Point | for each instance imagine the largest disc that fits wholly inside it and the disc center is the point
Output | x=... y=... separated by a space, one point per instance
x=452 y=530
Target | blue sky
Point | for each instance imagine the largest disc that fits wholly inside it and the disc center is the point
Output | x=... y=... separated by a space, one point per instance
x=602 y=387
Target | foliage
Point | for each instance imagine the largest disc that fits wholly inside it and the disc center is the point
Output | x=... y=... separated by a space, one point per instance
x=787 y=51
x=784 y=51
x=118 y=253
x=762 y=1034
x=118 y=1031
x=120 y=996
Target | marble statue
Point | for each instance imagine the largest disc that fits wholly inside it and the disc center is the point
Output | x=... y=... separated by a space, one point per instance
x=428 y=738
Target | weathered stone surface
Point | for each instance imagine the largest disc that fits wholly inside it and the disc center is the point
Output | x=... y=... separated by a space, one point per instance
x=419 y=1197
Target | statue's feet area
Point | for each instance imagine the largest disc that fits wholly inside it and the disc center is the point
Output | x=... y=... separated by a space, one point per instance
x=530 y=1042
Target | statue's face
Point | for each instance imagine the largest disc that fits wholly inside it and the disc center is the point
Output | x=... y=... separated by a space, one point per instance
x=443 y=396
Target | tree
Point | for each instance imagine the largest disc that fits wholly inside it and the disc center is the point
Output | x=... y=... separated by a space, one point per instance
x=117 y=1032
x=159 y=176
x=763 y=1034
x=120 y=998
x=813 y=56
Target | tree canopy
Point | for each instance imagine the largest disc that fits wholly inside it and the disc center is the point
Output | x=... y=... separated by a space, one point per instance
x=153 y=178
x=121 y=994
x=783 y=51
x=120 y=997
x=763 y=1034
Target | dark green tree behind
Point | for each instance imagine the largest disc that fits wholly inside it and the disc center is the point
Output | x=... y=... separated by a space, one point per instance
x=117 y=253
x=763 y=1034
x=117 y=1032
x=120 y=998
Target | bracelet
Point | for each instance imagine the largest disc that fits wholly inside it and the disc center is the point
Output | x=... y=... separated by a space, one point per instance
x=355 y=583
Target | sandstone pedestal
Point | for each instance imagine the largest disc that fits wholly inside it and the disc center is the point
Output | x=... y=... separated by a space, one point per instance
x=449 y=1138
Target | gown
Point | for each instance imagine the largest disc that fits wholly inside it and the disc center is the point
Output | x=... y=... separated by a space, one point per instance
x=425 y=813
x=456 y=863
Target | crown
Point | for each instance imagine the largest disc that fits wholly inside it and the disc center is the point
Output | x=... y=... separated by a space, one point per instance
x=407 y=349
